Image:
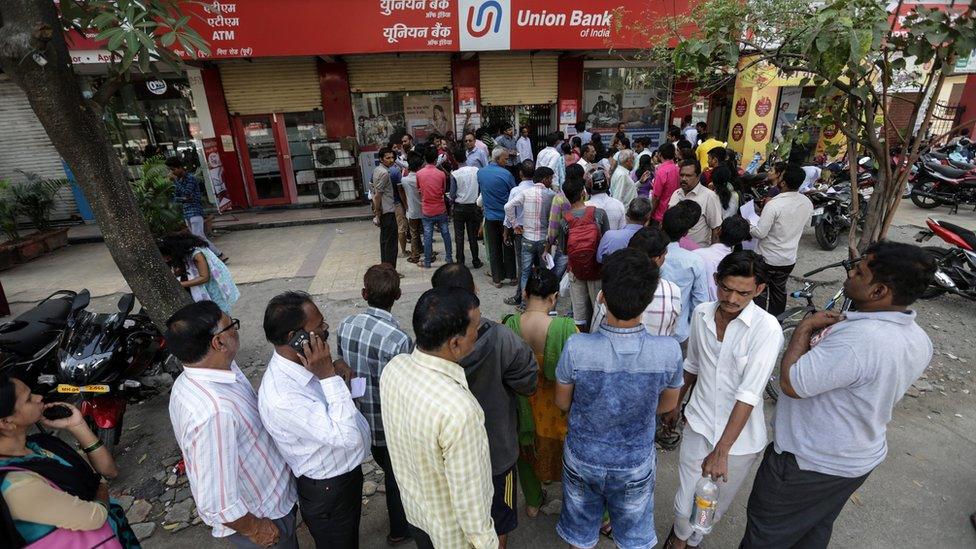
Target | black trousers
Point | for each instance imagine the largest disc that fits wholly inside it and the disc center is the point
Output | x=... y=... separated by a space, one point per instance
x=774 y=298
x=388 y=239
x=467 y=217
x=332 y=507
x=421 y=538
x=793 y=508
x=502 y=256
x=394 y=506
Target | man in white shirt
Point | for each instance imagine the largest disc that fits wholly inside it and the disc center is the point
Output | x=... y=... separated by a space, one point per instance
x=812 y=174
x=241 y=485
x=622 y=187
x=778 y=230
x=733 y=232
x=526 y=172
x=731 y=353
x=690 y=131
x=307 y=408
x=466 y=212
x=615 y=210
x=587 y=159
x=551 y=158
x=705 y=230
x=584 y=134
x=524 y=145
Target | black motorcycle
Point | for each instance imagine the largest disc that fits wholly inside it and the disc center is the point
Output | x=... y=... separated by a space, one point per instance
x=100 y=363
x=29 y=343
x=832 y=213
x=956 y=266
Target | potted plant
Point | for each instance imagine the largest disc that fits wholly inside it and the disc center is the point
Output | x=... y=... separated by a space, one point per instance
x=154 y=195
x=34 y=199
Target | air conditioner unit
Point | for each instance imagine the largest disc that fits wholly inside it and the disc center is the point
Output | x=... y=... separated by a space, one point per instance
x=330 y=154
x=337 y=189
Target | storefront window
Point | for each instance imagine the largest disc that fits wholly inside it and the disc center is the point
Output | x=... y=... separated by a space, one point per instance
x=633 y=96
x=155 y=113
x=380 y=116
x=304 y=128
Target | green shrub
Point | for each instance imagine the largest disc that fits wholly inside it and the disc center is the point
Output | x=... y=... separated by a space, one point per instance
x=154 y=195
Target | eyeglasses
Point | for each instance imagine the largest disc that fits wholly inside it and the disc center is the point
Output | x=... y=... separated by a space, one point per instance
x=234 y=323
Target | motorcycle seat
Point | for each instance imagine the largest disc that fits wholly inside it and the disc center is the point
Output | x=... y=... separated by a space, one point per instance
x=962 y=165
x=969 y=237
x=33 y=329
x=948 y=171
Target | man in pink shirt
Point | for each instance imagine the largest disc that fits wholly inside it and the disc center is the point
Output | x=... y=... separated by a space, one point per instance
x=432 y=183
x=666 y=181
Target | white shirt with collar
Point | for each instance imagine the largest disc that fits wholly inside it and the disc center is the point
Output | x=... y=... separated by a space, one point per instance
x=233 y=465
x=711 y=216
x=780 y=227
x=314 y=422
x=734 y=369
x=712 y=256
x=616 y=213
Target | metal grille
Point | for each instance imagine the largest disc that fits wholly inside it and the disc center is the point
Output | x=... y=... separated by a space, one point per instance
x=537 y=117
x=944 y=119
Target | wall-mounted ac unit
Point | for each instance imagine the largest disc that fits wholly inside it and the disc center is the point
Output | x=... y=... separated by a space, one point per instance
x=330 y=154
x=337 y=189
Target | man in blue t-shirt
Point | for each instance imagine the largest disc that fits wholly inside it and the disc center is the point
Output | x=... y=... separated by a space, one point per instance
x=496 y=183
x=613 y=383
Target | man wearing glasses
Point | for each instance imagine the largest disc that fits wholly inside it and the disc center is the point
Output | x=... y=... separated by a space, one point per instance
x=475 y=156
x=240 y=482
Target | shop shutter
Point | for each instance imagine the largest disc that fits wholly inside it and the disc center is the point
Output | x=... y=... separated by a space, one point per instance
x=391 y=73
x=24 y=145
x=271 y=85
x=518 y=79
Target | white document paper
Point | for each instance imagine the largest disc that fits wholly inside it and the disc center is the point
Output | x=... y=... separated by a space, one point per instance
x=748 y=211
x=358 y=387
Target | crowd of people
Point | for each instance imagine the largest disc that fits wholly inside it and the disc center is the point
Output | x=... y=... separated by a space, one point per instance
x=670 y=343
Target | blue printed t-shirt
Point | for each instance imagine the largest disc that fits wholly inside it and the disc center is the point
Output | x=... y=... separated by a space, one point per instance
x=496 y=183
x=618 y=375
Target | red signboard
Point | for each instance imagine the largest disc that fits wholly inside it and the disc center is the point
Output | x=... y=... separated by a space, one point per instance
x=763 y=106
x=759 y=132
x=737 y=132
x=259 y=28
x=741 y=106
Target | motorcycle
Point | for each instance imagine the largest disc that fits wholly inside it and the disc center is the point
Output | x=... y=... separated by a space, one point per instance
x=937 y=180
x=955 y=267
x=832 y=215
x=100 y=363
x=29 y=343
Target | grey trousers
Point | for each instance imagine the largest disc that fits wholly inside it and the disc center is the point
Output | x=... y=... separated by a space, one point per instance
x=195 y=224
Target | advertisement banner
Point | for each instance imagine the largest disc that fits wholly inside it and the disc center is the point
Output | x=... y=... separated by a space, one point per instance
x=567 y=111
x=214 y=172
x=789 y=107
x=467 y=99
x=259 y=28
x=427 y=114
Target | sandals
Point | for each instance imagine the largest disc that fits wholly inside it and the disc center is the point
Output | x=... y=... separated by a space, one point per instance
x=607 y=530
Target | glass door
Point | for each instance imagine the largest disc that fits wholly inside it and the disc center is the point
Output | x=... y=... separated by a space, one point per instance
x=303 y=130
x=267 y=161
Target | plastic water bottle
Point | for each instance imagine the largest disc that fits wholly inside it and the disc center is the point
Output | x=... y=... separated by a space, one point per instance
x=706 y=500
x=754 y=165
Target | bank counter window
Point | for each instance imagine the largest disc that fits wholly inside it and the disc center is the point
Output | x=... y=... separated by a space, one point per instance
x=628 y=95
x=381 y=115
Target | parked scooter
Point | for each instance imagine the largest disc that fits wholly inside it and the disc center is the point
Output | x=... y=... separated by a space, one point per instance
x=100 y=363
x=832 y=211
x=938 y=180
x=29 y=343
x=956 y=266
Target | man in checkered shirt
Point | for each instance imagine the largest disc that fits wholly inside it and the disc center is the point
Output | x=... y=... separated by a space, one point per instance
x=367 y=341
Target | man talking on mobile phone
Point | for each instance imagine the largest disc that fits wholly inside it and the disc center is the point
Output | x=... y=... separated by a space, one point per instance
x=307 y=408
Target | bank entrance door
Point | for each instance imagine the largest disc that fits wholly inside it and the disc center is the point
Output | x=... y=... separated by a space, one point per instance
x=266 y=160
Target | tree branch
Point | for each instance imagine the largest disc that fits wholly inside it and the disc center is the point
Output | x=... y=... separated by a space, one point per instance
x=107 y=90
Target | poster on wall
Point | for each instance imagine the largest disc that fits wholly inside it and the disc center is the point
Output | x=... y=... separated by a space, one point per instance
x=789 y=107
x=467 y=99
x=215 y=175
x=427 y=115
x=466 y=122
x=377 y=120
x=602 y=109
x=567 y=111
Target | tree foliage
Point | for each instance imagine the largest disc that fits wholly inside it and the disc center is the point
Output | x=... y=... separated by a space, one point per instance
x=852 y=51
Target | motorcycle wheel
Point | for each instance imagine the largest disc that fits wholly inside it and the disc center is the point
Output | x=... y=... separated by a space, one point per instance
x=938 y=255
x=827 y=235
x=924 y=202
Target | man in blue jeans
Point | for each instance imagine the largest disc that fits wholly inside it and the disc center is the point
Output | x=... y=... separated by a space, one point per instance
x=613 y=383
x=531 y=224
x=432 y=183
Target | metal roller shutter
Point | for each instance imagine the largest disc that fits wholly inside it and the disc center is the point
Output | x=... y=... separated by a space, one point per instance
x=518 y=79
x=390 y=73
x=24 y=145
x=271 y=85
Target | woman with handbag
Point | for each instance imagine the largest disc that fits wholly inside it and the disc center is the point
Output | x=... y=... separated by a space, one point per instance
x=52 y=497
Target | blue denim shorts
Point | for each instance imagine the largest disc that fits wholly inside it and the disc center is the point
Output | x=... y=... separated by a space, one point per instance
x=628 y=494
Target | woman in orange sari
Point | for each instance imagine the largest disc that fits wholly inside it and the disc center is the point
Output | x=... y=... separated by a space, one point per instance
x=542 y=426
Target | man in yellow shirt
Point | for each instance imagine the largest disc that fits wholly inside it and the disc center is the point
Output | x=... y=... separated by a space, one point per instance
x=708 y=143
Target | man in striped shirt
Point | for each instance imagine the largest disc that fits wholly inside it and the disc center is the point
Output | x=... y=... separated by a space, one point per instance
x=241 y=485
x=532 y=223
x=660 y=318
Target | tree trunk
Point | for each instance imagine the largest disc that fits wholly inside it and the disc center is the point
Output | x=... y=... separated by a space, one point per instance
x=79 y=135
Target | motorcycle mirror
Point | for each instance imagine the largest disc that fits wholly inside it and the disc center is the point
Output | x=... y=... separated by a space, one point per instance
x=81 y=300
x=864 y=161
x=126 y=302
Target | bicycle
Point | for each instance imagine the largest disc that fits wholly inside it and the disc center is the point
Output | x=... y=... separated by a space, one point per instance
x=792 y=317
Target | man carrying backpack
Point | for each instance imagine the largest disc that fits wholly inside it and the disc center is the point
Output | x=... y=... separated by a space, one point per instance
x=578 y=237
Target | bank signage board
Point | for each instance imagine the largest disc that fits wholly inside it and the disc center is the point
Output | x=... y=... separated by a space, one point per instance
x=259 y=28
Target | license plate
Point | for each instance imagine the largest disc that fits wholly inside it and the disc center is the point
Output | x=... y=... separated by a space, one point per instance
x=74 y=389
x=818 y=211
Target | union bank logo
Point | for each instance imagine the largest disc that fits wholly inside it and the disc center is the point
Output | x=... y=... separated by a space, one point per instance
x=485 y=24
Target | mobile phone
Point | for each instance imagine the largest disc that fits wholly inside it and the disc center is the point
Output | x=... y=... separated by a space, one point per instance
x=299 y=340
x=55 y=413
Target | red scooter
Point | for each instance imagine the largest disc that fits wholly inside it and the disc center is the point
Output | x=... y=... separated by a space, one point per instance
x=956 y=266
